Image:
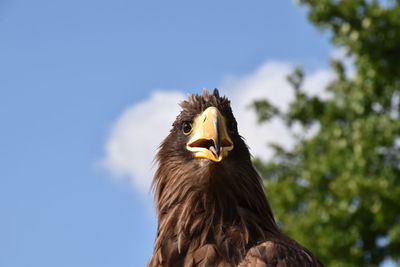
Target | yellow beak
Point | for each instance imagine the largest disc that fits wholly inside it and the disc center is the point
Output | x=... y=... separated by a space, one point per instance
x=209 y=138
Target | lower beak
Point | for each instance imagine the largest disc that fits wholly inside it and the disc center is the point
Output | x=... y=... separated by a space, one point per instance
x=209 y=138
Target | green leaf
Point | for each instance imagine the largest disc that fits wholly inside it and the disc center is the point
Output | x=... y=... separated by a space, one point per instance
x=338 y=191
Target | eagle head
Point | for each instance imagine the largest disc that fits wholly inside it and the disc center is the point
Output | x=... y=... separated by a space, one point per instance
x=204 y=135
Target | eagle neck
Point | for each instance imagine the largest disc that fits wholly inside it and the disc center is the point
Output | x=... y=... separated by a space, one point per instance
x=199 y=206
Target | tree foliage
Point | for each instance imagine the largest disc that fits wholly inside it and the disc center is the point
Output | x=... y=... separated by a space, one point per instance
x=338 y=191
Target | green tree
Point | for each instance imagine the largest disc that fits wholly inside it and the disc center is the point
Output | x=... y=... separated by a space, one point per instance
x=338 y=191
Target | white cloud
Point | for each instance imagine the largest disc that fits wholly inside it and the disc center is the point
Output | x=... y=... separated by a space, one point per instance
x=268 y=81
x=131 y=147
x=315 y=83
x=136 y=135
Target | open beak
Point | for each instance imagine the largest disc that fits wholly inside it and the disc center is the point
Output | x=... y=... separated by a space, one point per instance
x=209 y=138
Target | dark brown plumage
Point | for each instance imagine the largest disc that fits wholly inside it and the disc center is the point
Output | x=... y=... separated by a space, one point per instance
x=212 y=210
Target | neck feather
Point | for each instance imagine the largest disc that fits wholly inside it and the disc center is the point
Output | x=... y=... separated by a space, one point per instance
x=209 y=204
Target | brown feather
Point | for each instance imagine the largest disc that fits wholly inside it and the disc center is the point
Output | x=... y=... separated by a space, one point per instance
x=215 y=214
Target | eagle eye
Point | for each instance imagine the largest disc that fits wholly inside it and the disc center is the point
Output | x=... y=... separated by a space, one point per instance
x=186 y=127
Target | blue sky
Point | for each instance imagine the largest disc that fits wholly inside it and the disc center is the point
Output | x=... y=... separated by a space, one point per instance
x=68 y=72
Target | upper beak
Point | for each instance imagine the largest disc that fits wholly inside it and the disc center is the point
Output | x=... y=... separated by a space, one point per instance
x=209 y=138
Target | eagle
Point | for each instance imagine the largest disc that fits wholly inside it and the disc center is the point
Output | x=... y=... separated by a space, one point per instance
x=210 y=202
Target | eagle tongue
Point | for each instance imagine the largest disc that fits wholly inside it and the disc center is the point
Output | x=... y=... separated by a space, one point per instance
x=214 y=151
